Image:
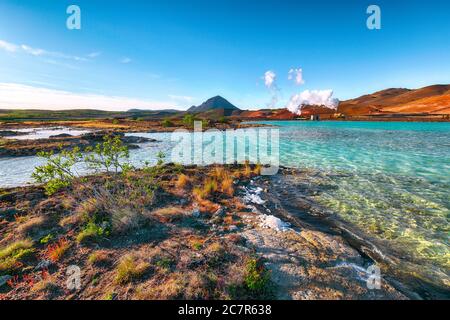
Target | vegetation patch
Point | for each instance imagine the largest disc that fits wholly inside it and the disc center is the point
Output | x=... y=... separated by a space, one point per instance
x=129 y=269
x=12 y=256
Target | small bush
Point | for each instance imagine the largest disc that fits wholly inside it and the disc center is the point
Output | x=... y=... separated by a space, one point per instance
x=188 y=120
x=166 y=123
x=129 y=270
x=257 y=277
x=91 y=233
x=223 y=120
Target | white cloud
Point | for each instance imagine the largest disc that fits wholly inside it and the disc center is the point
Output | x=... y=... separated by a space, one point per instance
x=313 y=97
x=296 y=75
x=93 y=55
x=181 y=98
x=7 y=46
x=37 y=52
x=269 y=78
x=125 y=60
x=18 y=96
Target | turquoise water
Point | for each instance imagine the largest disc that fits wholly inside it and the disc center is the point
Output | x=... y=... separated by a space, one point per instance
x=390 y=179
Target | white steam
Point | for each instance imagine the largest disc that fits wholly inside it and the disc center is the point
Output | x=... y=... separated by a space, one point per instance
x=296 y=75
x=270 y=78
x=313 y=97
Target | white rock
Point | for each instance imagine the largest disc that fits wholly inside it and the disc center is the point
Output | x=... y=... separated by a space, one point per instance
x=272 y=222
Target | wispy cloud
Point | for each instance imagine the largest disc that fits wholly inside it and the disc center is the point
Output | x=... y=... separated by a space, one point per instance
x=125 y=60
x=185 y=99
x=93 y=55
x=19 y=96
x=37 y=52
x=9 y=47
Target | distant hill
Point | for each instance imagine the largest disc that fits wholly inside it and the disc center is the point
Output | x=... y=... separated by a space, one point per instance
x=431 y=100
x=215 y=105
x=428 y=101
x=151 y=111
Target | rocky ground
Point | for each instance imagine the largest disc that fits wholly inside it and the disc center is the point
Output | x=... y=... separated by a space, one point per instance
x=122 y=125
x=201 y=235
x=20 y=148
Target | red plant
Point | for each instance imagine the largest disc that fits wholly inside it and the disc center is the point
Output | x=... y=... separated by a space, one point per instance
x=56 y=250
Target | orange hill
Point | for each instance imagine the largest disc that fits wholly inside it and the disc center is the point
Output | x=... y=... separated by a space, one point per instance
x=427 y=101
x=431 y=100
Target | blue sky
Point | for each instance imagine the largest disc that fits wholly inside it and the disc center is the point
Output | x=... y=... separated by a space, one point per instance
x=160 y=54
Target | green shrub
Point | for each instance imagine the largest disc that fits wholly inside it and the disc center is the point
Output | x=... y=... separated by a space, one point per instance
x=188 y=120
x=166 y=123
x=92 y=233
x=257 y=277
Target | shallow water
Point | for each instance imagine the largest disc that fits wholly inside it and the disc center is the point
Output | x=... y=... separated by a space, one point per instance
x=392 y=180
x=45 y=133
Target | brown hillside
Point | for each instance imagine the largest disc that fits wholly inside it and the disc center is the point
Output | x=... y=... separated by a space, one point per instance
x=431 y=99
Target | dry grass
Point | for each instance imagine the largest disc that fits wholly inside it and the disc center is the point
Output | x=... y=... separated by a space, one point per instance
x=247 y=171
x=87 y=208
x=183 y=181
x=168 y=214
x=215 y=248
x=48 y=285
x=129 y=269
x=257 y=169
x=227 y=186
x=172 y=288
x=196 y=243
x=99 y=258
x=31 y=225
x=71 y=220
x=12 y=255
x=210 y=186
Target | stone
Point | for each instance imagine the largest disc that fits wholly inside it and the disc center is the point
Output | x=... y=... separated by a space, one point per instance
x=44 y=264
x=4 y=280
x=220 y=212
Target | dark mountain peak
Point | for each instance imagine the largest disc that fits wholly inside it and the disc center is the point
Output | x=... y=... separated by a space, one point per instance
x=214 y=103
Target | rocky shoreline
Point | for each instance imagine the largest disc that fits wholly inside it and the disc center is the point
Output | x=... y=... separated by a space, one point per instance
x=23 y=148
x=186 y=240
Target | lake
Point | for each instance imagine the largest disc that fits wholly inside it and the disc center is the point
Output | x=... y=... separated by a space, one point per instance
x=390 y=179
